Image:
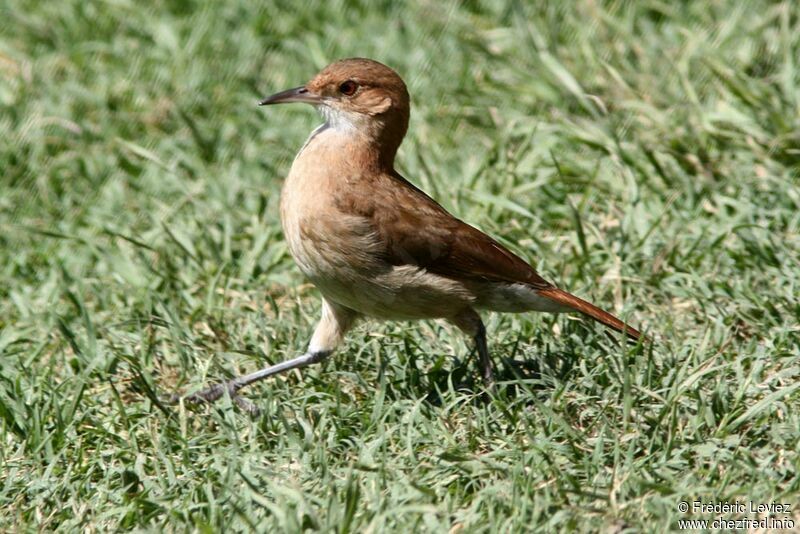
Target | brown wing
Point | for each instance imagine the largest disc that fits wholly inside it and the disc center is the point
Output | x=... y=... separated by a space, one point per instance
x=418 y=231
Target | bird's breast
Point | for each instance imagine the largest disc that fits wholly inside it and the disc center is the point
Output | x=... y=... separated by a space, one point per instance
x=325 y=241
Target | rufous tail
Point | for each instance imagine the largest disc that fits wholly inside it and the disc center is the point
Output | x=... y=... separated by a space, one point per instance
x=586 y=308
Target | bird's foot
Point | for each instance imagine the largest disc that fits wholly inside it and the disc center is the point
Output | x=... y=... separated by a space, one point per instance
x=216 y=392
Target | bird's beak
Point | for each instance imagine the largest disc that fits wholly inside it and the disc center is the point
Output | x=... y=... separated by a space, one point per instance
x=298 y=94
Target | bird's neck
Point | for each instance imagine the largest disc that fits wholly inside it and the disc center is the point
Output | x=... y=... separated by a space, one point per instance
x=357 y=140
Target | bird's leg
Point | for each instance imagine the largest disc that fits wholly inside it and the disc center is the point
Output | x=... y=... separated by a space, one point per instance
x=212 y=393
x=470 y=323
x=487 y=374
x=335 y=322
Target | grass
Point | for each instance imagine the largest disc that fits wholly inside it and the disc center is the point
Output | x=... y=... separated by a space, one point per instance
x=644 y=155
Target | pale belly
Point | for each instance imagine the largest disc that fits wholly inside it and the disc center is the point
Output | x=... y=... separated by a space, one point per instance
x=397 y=293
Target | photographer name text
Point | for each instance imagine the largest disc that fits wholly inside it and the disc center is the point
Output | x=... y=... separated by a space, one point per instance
x=740 y=507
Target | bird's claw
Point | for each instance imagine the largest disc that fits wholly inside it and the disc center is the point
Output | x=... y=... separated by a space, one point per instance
x=214 y=393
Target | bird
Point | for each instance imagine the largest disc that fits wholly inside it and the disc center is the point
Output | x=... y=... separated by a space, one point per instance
x=377 y=246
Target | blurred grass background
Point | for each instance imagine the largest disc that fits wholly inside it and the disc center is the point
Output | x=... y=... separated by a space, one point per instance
x=644 y=155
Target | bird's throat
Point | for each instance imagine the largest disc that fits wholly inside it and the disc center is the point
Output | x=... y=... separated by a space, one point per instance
x=347 y=144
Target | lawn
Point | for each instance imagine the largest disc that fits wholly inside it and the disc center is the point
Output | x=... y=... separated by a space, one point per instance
x=643 y=155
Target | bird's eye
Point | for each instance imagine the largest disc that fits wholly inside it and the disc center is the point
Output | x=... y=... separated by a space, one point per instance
x=348 y=88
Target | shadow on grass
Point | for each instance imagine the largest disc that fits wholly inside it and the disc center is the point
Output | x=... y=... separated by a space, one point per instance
x=513 y=376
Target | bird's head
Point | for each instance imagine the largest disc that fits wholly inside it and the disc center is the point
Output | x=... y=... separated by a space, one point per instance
x=360 y=95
